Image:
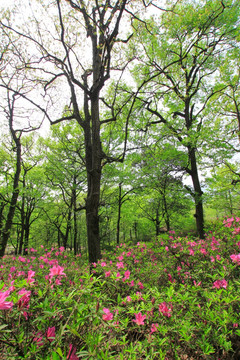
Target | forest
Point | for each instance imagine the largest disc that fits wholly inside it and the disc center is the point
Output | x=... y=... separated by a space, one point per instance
x=120 y=141
x=144 y=121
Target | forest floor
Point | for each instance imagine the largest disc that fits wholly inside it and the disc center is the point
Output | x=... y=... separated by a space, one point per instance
x=172 y=298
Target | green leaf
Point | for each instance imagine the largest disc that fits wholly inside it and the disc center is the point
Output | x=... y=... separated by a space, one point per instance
x=59 y=351
x=73 y=331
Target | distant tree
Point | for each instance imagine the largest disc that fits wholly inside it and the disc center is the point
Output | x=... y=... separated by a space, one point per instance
x=222 y=193
x=16 y=144
x=65 y=171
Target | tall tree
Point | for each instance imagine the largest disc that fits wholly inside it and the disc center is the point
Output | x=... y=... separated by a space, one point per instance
x=86 y=34
x=180 y=59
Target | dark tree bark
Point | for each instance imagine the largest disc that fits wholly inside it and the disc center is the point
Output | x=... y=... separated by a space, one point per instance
x=121 y=200
x=119 y=210
x=157 y=222
x=75 y=229
x=8 y=225
x=102 y=39
x=15 y=191
x=197 y=194
x=22 y=211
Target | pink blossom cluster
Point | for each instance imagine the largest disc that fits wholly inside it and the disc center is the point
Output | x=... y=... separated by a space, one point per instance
x=23 y=302
x=235 y=258
x=165 y=309
x=107 y=314
x=5 y=305
x=220 y=284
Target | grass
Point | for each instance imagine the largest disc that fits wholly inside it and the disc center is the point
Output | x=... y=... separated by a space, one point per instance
x=174 y=298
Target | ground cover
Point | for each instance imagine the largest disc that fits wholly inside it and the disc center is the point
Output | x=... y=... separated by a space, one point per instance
x=173 y=298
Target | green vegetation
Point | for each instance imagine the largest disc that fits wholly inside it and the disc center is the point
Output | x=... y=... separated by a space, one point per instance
x=119 y=126
x=175 y=298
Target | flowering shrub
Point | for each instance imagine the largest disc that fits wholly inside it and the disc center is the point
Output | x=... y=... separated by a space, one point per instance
x=175 y=298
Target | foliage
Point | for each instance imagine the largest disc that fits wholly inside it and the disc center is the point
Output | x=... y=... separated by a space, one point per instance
x=174 y=298
x=222 y=194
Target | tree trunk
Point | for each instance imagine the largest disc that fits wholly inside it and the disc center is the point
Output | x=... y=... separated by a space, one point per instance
x=2 y=206
x=27 y=232
x=69 y=225
x=119 y=211
x=74 y=195
x=197 y=195
x=157 y=221
x=94 y=171
x=8 y=225
x=22 y=215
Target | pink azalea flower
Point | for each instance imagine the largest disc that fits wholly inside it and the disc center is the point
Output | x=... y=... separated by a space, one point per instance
x=154 y=328
x=72 y=353
x=235 y=258
x=120 y=265
x=30 y=279
x=140 y=285
x=118 y=275
x=5 y=305
x=38 y=339
x=108 y=315
x=127 y=274
x=20 y=273
x=165 y=309
x=139 y=318
x=220 y=284
x=26 y=315
x=203 y=251
x=51 y=333
x=56 y=270
x=107 y=273
x=23 y=302
x=103 y=264
x=191 y=252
